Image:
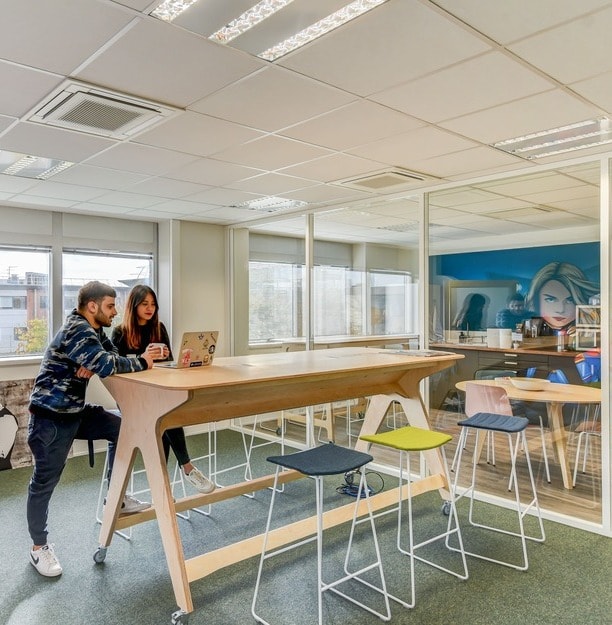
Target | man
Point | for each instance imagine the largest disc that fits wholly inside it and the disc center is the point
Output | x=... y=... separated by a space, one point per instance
x=514 y=314
x=59 y=414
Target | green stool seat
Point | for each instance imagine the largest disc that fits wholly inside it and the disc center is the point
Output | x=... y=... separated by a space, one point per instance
x=409 y=439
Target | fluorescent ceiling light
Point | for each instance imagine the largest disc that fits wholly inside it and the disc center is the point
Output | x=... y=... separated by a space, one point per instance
x=28 y=166
x=586 y=134
x=343 y=15
x=171 y=9
x=270 y=204
x=248 y=19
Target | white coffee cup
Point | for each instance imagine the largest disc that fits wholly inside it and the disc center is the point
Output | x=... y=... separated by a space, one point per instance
x=156 y=350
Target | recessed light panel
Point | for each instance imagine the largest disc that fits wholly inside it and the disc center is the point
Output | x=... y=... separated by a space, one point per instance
x=586 y=134
x=28 y=166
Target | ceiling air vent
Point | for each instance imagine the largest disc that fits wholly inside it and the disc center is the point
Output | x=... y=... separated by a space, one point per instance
x=87 y=109
x=386 y=181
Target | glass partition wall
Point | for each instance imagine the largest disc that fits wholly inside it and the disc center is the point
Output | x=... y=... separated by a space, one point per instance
x=514 y=266
x=352 y=275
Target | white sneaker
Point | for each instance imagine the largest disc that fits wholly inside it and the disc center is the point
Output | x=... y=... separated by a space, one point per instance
x=199 y=481
x=45 y=561
x=130 y=504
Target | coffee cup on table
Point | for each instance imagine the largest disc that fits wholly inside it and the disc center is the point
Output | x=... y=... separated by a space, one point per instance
x=156 y=350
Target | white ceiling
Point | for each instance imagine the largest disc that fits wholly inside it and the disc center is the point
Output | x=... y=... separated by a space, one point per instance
x=412 y=84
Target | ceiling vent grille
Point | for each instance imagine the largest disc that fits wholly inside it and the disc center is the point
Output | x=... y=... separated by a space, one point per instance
x=390 y=180
x=80 y=107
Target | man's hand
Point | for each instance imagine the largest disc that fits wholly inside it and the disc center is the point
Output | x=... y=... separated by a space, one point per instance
x=84 y=373
x=149 y=358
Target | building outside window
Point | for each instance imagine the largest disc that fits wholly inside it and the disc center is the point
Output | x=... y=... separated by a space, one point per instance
x=24 y=293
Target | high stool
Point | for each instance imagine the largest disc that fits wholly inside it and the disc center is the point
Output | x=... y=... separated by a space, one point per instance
x=317 y=462
x=406 y=440
x=514 y=429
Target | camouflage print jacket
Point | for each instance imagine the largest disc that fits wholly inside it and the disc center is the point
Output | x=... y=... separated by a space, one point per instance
x=77 y=344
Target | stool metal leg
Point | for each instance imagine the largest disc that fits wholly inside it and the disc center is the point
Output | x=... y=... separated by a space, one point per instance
x=451 y=529
x=318 y=537
x=522 y=510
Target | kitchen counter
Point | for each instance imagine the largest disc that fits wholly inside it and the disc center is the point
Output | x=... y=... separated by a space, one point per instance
x=540 y=348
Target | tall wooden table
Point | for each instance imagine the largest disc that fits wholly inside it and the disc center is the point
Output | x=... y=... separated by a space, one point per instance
x=155 y=400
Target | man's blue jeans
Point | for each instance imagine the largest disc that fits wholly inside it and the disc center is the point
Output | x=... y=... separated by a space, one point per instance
x=50 y=441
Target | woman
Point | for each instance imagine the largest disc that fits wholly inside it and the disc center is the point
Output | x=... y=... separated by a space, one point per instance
x=471 y=315
x=139 y=332
x=555 y=291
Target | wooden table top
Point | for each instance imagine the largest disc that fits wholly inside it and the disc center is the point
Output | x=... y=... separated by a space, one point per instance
x=260 y=368
x=553 y=393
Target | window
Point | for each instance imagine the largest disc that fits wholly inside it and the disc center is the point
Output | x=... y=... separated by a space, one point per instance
x=24 y=286
x=275 y=301
x=119 y=270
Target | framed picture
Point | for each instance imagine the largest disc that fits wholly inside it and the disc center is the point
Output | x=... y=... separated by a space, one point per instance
x=471 y=305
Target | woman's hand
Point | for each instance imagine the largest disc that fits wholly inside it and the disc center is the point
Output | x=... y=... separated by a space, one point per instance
x=157 y=351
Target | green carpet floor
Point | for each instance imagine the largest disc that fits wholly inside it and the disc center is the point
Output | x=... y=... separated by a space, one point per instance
x=568 y=582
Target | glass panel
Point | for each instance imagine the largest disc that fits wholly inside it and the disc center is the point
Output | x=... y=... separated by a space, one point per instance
x=24 y=293
x=528 y=247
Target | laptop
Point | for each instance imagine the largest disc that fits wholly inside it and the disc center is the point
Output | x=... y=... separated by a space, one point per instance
x=196 y=349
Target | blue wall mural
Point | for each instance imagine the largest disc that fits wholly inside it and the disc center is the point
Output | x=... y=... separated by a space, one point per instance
x=550 y=281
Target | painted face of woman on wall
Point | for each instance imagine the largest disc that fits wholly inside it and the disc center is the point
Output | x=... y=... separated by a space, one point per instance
x=557 y=306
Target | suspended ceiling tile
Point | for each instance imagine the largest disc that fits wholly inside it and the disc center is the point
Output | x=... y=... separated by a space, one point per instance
x=27 y=88
x=100 y=177
x=597 y=89
x=29 y=138
x=57 y=36
x=271 y=184
x=479 y=83
x=222 y=197
x=129 y=200
x=573 y=51
x=62 y=191
x=333 y=167
x=11 y=185
x=274 y=98
x=182 y=207
x=406 y=149
x=324 y=193
x=166 y=187
x=531 y=114
x=344 y=128
x=270 y=153
x=467 y=161
x=212 y=172
x=515 y=19
x=31 y=201
x=141 y=159
x=197 y=134
x=395 y=42
x=137 y=64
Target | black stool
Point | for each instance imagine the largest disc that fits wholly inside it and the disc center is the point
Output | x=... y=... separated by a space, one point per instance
x=329 y=459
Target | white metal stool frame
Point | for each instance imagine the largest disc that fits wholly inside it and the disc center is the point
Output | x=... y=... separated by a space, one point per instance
x=522 y=510
x=363 y=492
x=449 y=508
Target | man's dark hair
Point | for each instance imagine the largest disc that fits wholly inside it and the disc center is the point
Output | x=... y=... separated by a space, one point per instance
x=516 y=297
x=94 y=291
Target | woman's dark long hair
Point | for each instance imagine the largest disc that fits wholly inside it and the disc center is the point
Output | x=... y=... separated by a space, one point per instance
x=131 y=329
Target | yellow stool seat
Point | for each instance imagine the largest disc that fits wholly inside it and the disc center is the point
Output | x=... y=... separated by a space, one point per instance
x=409 y=439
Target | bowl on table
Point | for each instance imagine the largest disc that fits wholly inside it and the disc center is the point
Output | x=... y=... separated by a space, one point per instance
x=530 y=384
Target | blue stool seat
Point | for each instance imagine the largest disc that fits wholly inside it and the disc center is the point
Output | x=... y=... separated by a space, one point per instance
x=495 y=422
x=328 y=459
